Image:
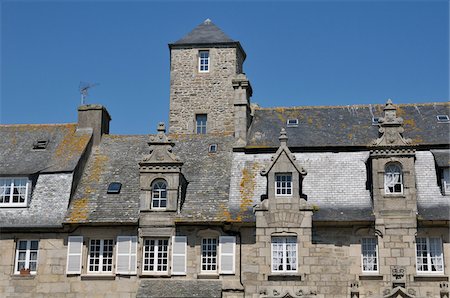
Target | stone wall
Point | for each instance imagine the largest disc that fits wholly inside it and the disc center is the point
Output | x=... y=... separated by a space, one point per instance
x=211 y=93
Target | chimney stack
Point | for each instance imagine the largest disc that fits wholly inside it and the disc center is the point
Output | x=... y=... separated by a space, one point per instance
x=96 y=117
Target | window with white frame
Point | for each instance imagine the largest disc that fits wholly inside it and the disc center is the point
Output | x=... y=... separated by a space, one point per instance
x=101 y=255
x=14 y=192
x=429 y=255
x=209 y=255
x=445 y=181
x=159 y=194
x=393 y=179
x=155 y=259
x=26 y=255
x=200 y=123
x=203 y=61
x=284 y=254
x=369 y=249
x=283 y=184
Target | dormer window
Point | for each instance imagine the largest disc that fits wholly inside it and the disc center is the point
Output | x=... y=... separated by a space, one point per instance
x=14 y=192
x=283 y=184
x=203 y=61
x=159 y=194
x=393 y=179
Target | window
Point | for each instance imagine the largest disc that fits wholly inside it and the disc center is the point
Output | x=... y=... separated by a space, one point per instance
x=212 y=148
x=40 y=145
x=159 y=195
x=393 y=179
x=100 y=255
x=201 y=120
x=369 y=248
x=283 y=184
x=203 y=61
x=209 y=254
x=284 y=254
x=292 y=123
x=156 y=255
x=14 y=192
x=114 y=187
x=375 y=120
x=26 y=255
x=445 y=181
x=429 y=256
x=443 y=118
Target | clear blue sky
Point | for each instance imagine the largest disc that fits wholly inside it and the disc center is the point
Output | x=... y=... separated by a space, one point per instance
x=298 y=53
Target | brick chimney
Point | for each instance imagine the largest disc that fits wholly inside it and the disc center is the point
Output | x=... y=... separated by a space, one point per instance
x=96 y=117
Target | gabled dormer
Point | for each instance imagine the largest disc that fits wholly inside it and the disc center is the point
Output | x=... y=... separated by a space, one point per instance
x=284 y=176
x=160 y=175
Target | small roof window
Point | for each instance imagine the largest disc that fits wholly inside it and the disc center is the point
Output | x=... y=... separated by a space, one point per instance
x=114 y=187
x=443 y=118
x=212 y=148
x=292 y=123
x=375 y=120
x=40 y=145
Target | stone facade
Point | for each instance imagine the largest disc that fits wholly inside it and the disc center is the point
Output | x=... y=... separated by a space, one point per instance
x=337 y=216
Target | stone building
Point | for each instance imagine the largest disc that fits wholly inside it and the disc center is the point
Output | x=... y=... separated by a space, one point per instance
x=233 y=201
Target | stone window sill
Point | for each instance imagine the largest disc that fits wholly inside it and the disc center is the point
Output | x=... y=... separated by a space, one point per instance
x=23 y=277
x=424 y=277
x=208 y=276
x=97 y=277
x=153 y=275
x=284 y=277
x=368 y=276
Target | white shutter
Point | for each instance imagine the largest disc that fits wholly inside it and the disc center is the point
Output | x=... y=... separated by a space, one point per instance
x=227 y=251
x=74 y=254
x=126 y=254
x=179 y=244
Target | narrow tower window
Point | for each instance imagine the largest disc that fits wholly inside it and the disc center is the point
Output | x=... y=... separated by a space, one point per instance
x=200 y=120
x=393 y=179
x=203 y=61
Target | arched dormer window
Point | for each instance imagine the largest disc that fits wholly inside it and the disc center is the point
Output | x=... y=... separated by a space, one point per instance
x=393 y=179
x=159 y=194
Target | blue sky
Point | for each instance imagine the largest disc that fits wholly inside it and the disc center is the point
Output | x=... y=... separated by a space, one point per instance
x=298 y=53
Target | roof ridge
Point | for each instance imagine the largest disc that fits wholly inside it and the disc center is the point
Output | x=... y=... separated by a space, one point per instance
x=39 y=124
x=350 y=106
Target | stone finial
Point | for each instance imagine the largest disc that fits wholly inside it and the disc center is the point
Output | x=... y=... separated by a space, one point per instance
x=207 y=22
x=283 y=137
x=161 y=128
x=391 y=129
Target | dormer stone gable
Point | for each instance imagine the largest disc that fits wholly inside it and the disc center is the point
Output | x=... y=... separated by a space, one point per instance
x=161 y=166
x=284 y=177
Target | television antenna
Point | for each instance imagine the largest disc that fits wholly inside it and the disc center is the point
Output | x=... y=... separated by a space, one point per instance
x=84 y=88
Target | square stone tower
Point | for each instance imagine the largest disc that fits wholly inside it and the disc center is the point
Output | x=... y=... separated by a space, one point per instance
x=202 y=67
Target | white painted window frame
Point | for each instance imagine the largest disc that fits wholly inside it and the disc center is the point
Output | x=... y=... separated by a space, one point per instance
x=284 y=251
x=157 y=249
x=389 y=173
x=429 y=257
x=204 y=64
x=214 y=258
x=28 y=251
x=363 y=256
x=281 y=187
x=157 y=194
x=445 y=181
x=101 y=258
x=11 y=186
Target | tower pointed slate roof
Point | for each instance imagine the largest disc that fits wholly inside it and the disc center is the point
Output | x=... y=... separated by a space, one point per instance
x=205 y=33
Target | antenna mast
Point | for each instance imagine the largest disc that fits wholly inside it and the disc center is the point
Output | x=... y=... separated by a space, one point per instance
x=84 y=88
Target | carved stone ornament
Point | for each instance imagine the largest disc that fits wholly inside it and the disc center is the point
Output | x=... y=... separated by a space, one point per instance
x=391 y=130
x=399 y=292
x=398 y=273
x=160 y=149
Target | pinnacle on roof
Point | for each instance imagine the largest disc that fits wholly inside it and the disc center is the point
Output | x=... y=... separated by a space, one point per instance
x=205 y=33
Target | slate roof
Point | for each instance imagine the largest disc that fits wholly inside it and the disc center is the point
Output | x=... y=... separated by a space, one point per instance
x=117 y=159
x=65 y=147
x=205 y=33
x=179 y=288
x=341 y=126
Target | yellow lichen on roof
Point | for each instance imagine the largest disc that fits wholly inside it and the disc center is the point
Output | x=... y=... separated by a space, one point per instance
x=409 y=122
x=70 y=146
x=79 y=211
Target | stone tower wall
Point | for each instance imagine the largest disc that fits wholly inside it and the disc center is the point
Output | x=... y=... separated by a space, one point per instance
x=211 y=93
